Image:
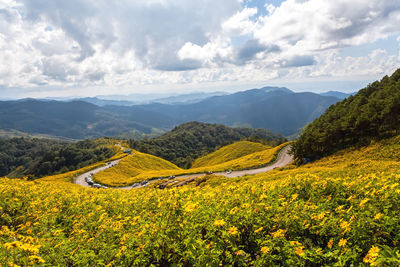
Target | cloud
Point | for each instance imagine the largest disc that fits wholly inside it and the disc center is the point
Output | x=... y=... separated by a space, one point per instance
x=154 y=30
x=297 y=61
x=314 y=25
x=252 y=47
x=132 y=43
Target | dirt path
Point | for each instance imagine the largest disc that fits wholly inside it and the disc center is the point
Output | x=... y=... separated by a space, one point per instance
x=284 y=158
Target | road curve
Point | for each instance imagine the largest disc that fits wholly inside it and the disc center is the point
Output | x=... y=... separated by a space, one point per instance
x=284 y=158
x=81 y=178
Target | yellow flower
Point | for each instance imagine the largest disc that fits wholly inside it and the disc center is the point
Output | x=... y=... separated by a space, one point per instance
x=372 y=255
x=378 y=216
x=233 y=230
x=344 y=225
x=219 y=223
x=234 y=210
x=240 y=253
x=342 y=242
x=278 y=233
x=190 y=207
x=299 y=251
x=210 y=245
x=294 y=196
x=265 y=250
x=36 y=258
x=362 y=203
x=330 y=243
x=258 y=230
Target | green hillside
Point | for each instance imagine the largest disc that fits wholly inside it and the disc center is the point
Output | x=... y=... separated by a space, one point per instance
x=228 y=153
x=192 y=140
x=35 y=158
x=373 y=113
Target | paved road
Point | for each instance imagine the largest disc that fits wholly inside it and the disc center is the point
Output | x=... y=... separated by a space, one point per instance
x=81 y=178
x=284 y=158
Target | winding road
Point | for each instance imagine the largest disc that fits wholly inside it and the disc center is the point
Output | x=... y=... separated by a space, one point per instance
x=284 y=158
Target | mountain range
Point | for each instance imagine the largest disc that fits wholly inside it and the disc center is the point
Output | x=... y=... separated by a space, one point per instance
x=275 y=108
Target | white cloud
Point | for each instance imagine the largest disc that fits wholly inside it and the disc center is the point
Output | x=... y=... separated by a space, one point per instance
x=241 y=22
x=129 y=43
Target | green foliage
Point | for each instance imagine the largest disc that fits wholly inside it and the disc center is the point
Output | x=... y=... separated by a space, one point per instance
x=194 y=139
x=41 y=157
x=373 y=113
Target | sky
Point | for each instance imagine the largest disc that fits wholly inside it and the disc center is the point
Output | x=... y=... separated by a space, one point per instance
x=101 y=47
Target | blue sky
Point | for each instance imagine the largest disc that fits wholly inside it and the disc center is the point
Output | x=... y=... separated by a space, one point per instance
x=87 y=48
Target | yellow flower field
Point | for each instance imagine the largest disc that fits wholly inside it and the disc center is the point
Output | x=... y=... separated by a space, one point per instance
x=342 y=210
x=228 y=153
x=141 y=166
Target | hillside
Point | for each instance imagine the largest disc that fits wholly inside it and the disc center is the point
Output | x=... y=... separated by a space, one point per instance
x=34 y=158
x=141 y=166
x=340 y=210
x=77 y=119
x=191 y=140
x=230 y=152
x=372 y=113
x=126 y=172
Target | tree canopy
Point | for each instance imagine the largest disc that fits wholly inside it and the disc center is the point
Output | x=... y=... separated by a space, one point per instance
x=373 y=113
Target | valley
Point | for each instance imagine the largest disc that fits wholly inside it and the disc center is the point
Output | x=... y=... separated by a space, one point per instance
x=283 y=158
x=177 y=133
x=238 y=196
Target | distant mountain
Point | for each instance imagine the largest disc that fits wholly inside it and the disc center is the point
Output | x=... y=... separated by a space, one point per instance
x=276 y=108
x=164 y=98
x=269 y=89
x=336 y=94
x=77 y=119
x=279 y=110
x=187 y=98
x=103 y=102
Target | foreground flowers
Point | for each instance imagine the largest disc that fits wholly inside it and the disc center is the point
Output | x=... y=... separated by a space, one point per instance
x=313 y=215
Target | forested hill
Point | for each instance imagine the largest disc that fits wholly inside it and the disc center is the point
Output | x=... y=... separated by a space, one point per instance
x=40 y=157
x=373 y=113
x=191 y=140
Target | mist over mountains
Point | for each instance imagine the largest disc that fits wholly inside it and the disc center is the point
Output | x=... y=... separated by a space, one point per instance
x=275 y=108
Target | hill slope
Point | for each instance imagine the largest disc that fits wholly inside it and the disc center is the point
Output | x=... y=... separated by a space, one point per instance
x=36 y=158
x=373 y=113
x=229 y=152
x=130 y=167
x=191 y=140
